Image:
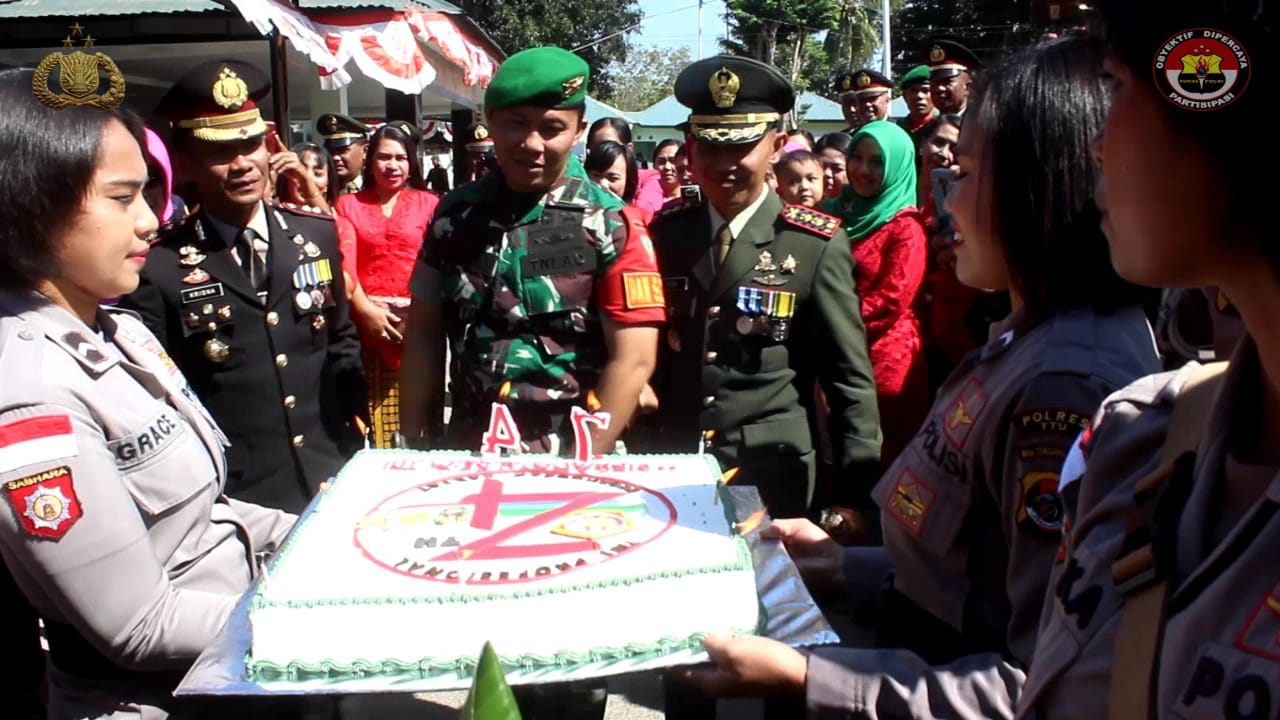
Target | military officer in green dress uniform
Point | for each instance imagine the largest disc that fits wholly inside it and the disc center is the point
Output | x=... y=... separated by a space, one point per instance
x=248 y=299
x=761 y=303
x=545 y=287
x=346 y=139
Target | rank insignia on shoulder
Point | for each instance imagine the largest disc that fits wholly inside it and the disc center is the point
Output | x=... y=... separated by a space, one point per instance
x=305 y=210
x=677 y=208
x=811 y=220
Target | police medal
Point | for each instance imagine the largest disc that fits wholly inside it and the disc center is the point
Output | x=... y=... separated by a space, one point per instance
x=216 y=350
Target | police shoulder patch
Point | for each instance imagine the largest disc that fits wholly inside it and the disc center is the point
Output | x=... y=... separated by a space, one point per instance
x=809 y=219
x=45 y=502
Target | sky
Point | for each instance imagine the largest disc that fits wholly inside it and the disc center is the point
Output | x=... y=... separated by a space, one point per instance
x=674 y=23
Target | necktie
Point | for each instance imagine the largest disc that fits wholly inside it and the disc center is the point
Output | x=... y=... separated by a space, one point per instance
x=254 y=268
x=724 y=239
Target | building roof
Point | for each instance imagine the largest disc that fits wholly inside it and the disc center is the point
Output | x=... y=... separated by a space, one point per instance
x=597 y=110
x=109 y=8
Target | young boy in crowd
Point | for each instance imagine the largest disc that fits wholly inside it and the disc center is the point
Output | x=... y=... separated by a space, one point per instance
x=799 y=175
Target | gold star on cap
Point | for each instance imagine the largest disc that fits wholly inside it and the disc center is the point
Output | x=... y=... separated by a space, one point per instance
x=76 y=30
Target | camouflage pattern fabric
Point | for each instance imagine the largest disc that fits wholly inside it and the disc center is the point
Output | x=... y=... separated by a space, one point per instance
x=518 y=278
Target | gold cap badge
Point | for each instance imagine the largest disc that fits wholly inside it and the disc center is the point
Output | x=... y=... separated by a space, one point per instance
x=78 y=77
x=937 y=54
x=863 y=79
x=724 y=87
x=481 y=132
x=571 y=86
x=229 y=90
x=846 y=82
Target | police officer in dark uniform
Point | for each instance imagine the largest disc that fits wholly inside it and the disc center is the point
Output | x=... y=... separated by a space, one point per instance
x=951 y=68
x=847 y=93
x=760 y=303
x=248 y=298
x=346 y=139
x=480 y=158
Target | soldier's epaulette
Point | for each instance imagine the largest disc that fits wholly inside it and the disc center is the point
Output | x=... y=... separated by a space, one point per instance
x=677 y=209
x=304 y=210
x=809 y=219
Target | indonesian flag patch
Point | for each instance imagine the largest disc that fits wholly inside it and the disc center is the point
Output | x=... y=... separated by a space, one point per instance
x=45 y=502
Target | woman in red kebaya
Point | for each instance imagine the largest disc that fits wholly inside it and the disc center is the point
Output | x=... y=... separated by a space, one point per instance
x=381 y=229
x=877 y=210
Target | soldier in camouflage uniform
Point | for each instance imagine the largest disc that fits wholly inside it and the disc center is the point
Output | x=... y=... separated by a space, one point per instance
x=546 y=288
x=545 y=285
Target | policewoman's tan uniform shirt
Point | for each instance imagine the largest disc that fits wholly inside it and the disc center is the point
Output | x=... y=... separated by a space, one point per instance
x=972 y=517
x=1220 y=656
x=116 y=525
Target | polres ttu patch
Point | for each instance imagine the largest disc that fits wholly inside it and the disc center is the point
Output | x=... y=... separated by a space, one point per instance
x=1202 y=69
x=46 y=502
x=511 y=528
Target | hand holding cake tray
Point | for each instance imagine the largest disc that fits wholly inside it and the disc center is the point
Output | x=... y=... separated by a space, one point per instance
x=398 y=574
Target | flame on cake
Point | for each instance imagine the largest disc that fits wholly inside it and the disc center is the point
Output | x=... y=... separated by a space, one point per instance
x=729 y=475
x=752 y=522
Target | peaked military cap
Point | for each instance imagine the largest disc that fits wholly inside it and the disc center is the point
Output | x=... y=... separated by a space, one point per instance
x=947 y=58
x=915 y=76
x=732 y=100
x=869 y=82
x=340 y=131
x=477 y=138
x=217 y=101
x=407 y=129
x=548 y=77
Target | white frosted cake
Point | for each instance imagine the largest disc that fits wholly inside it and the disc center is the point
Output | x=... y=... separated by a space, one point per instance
x=412 y=561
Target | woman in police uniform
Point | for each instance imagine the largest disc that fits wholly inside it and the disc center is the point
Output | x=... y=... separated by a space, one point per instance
x=1165 y=600
x=116 y=529
x=970 y=509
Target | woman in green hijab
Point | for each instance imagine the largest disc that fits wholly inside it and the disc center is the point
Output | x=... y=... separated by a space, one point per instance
x=890 y=251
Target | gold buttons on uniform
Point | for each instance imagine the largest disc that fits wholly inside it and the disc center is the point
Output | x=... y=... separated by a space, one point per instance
x=290 y=401
x=708 y=401
x=713 y=311
x=273 y=318
x=282 y=360
x=711 y=356
x=298 y=441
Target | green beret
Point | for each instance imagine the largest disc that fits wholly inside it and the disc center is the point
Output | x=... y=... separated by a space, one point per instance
x=917 y=74
x=548 y=77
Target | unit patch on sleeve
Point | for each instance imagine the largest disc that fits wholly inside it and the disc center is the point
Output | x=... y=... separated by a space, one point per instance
x=811 y=220
x=45 y=503
x=36 y=440
x=1041 y=504
x=643 y=290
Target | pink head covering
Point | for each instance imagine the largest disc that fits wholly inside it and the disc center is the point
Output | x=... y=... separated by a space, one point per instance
x=160 y=155
x=794 y=145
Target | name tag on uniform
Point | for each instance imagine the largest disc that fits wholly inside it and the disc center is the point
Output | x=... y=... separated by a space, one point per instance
x=149 y=440
x=204 y=292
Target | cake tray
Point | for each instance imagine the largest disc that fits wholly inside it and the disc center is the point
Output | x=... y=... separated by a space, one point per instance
x=791 y=614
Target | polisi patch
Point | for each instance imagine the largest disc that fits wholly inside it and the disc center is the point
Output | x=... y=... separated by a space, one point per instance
x=1201 y=69
x=45 y=502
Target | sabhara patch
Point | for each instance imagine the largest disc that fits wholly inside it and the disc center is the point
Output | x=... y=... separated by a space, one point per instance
x=1201 y=69
x=910 y=501
x=46 y=502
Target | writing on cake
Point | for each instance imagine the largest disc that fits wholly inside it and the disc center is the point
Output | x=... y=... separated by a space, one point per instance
x=497 y=528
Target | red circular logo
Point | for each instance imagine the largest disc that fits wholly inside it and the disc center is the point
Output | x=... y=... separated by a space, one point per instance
x=1202 y=69
x=506 y=528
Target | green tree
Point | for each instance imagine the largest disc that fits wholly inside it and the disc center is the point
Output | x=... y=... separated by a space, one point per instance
x=758 y=27
x=990 y=28
x=520 y=24
x=646 y=76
